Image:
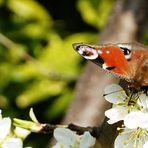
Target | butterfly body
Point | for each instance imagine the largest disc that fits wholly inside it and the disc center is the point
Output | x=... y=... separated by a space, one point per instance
x=127 y=61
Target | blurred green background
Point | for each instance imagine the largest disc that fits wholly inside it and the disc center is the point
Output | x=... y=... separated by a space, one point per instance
x=38 y=67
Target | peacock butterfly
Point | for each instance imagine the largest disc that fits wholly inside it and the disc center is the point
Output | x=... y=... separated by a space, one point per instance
x=128 y=61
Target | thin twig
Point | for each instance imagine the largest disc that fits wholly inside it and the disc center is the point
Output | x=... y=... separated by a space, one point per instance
x=46 y=128
x=94 y=131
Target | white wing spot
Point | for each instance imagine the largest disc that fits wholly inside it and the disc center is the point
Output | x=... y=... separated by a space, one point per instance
x=104 y=66
x=107 y=51
x=99 y=52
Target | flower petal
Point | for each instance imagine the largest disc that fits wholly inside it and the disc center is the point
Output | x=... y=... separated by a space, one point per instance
x=122 y=141
x=21 y=132
x=116 y=114
x=5 y=125
x=87 y=140
x=58 y=145
x=13 y=143
x=0 y=114
x=65 y=136
x=145 y=145
x=143 y=101
x=114 y=94
x=136 y=119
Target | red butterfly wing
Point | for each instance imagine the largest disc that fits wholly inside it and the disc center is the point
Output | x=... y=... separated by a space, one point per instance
x=109 y=57
x=128 y=61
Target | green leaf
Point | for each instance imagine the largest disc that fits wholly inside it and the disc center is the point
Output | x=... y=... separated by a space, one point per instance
x=28 y=10
x=95 y=12
x=38 y=91
x=60 y=57
x=59 y=105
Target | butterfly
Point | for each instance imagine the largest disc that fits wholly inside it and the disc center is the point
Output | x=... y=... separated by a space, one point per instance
x=128 y=61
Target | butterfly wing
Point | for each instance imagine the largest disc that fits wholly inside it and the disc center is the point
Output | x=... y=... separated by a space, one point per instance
x=125 y=60
x=109 y=57
x=138 y=68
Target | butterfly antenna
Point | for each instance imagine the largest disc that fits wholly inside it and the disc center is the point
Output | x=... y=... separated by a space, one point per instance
x=112 y=92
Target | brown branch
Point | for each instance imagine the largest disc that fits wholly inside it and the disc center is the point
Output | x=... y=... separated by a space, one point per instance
x=46 y=128
x=49 y=129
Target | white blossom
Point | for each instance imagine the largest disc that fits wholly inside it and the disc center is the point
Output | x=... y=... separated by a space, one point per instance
x=13 y=143
x=136 y=119
x=135 y=133
x=116 y=114
x=5 y=124
x=145 y=145
x=122 y=104
x=7 y=140
x=65 y=136
x=69 y=139
x=133 y=110
x=87 y=140
x=143 y=102
x=21 y=132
